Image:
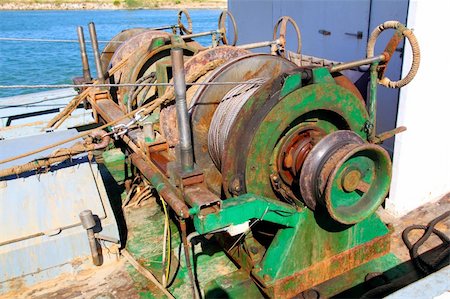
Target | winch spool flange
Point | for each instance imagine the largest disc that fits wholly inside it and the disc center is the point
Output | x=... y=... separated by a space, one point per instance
x=267 y=118
x=347 y=176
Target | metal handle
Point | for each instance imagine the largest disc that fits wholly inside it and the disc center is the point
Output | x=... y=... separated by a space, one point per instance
x=324 y=32
x=358 y=35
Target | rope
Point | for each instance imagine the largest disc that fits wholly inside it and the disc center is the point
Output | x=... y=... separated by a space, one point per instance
x=414 y=47
x=145 y=110
x=73 y=104
x=15 y=39
x=225 y=115
x=42 y=86
x=59 y=155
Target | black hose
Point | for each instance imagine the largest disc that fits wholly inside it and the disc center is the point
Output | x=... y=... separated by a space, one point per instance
x=424 y=266
x=420 y=263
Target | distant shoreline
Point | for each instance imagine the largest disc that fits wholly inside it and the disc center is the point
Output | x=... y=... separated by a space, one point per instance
x=110 y=6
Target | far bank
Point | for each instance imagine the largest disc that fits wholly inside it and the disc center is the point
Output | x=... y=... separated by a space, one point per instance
x=111 y=4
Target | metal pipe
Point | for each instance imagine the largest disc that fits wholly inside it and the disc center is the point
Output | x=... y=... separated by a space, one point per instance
x=372 y=105
x=186 y=151
x=357 y=63
x=258 y=45
x=84 y=58
x=98 y=62
x=189 y=36
x=88 y=222
x=166 y=27
x=161 y=185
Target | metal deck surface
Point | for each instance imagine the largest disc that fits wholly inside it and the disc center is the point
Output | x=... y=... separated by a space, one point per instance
x=115 y=281
x=28 y=114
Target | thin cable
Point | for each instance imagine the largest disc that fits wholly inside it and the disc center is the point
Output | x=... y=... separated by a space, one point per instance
x=149 y=275
x=145 y=109
x=249 y=229
x=15 y=39
x=41 y=86
x=86 y=133
x=166 y=244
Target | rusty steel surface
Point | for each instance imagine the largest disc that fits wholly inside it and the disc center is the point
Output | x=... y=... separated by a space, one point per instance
x=282 y=24
x=289 y=157
x=207 y=98
x=168 y=114
x=222 y=26
x=352 y=177
x=131 y=46
x=260 y=128
x=169 y=194
x=345 y=82
x=329 y=268
x=199 y=196
x=313 y=164
x=150 y=59
x=115 y=43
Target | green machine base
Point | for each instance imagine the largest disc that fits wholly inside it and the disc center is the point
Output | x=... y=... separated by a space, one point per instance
x=307 y=249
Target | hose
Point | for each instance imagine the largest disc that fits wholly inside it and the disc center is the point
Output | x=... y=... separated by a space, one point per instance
x=424 y=266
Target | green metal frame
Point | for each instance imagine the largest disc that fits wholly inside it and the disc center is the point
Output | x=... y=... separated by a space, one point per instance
x=305 y=241
x=313 y=103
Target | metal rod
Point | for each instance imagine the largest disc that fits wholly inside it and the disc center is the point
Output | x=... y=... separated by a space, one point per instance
x=184 y=129
x=188 y=36
x=88 y=222
x=161 y=185
x=187 y=256
x=98 y=62
x=386 y=135
x=84 y=58
x=258 y=45
x=357 y=63
x=373 y=101
x=165 y=27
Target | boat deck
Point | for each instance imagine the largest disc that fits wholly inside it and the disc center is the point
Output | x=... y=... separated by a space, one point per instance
x=115 y=280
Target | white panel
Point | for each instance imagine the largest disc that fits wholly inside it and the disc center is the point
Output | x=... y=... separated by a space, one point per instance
x=421 y=170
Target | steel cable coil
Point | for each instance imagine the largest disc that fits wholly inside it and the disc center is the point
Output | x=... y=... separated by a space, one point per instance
x=225 y=115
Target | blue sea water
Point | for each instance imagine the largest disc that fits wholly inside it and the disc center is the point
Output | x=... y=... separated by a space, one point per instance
x=31 y=63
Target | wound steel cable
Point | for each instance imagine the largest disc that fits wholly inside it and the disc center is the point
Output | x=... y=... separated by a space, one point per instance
x=225 y=115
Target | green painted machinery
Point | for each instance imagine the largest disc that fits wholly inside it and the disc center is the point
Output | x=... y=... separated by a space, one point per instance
x=304 y=167
x=288 y=171
x=303 y=173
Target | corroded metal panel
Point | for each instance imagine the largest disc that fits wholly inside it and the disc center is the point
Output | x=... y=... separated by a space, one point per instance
x=48 y=202
x=40 y=232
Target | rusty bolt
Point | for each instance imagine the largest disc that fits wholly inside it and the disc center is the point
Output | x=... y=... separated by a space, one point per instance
x=254 y=249
x=351 y=180
x=236 y=186
x=275 y=178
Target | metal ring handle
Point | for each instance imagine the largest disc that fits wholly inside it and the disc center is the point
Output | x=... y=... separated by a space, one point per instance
x=180 y=24
x=282 y=24
x=404 y=31
x=223 y=29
